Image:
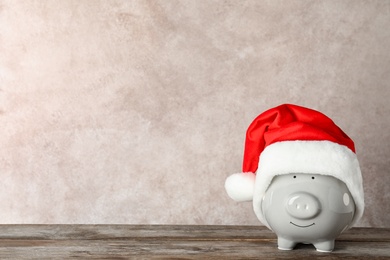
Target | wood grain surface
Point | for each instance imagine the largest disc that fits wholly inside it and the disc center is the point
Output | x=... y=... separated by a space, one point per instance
x=176 y=242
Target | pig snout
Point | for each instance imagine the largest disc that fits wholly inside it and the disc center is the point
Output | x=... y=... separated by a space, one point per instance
x=303 y=205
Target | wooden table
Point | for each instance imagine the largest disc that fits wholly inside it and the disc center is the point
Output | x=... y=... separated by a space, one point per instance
x=175 y=242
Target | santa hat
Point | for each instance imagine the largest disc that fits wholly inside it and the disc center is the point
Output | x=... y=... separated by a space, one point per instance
x=293 y=139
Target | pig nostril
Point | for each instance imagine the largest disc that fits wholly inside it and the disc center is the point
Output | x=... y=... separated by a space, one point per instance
x=302 y=205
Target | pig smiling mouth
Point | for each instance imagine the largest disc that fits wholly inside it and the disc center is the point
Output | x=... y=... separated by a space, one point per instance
x=302 y=226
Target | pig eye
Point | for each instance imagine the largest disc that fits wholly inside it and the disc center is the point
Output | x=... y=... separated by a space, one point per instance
x=313 y=177
x=295 y=177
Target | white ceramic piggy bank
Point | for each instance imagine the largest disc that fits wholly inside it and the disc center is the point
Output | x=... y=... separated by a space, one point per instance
x=303 y=176
x=303 y=208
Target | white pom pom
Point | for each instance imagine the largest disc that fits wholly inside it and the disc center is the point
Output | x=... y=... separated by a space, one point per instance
x=240 y=186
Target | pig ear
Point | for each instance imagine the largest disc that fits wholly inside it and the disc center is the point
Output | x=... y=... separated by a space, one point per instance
x=240 y=186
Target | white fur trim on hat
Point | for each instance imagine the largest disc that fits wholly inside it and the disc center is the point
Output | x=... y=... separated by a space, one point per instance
x=240 y=186
x=320 y=157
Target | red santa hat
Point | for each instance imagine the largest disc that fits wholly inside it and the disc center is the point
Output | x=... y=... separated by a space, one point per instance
x=293 y=139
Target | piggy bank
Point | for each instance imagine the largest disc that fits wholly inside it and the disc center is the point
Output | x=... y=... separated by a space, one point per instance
x=307 y=208
x=303 y=176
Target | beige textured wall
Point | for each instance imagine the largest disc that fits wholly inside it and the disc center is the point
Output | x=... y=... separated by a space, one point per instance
x=136 y=111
